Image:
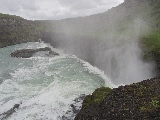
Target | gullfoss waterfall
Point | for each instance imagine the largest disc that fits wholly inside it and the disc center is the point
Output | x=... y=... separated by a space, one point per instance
x=46 y=87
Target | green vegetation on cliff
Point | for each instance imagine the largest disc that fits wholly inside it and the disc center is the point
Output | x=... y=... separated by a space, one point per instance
x=151 y=47
x=151 y=43
x=96 y=97
x=16 y=30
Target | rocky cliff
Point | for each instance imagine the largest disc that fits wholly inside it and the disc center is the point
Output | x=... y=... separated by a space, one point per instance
x=138 y=101
x=14 y=30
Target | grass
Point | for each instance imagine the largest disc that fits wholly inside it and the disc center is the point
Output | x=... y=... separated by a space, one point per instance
x=98 y=95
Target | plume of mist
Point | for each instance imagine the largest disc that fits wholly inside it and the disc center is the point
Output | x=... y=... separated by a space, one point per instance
x=109 y=41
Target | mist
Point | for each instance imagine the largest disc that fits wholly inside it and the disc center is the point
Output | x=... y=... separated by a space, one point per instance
x=109 y=41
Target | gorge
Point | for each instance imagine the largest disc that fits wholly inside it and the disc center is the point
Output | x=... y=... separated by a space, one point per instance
x=123 y=42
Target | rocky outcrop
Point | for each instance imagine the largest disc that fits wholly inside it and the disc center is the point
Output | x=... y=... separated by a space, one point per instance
x=8 y=113
x=74 y=108
x=138 y=101
x=27 y=53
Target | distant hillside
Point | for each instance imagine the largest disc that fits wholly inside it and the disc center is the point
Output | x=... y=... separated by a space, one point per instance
x=14 y=30
x=123 y=20
x=118 y=18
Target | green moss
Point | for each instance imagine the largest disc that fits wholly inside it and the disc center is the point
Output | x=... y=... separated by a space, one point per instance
x=145 y=96
x=137 y=90
x=151 y=106
x=155 y=103
x=98 y=95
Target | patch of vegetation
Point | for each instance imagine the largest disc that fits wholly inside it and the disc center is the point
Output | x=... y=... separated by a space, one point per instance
x=145 y=95
x=97 y=96
x=151 y=47
x=151 y=106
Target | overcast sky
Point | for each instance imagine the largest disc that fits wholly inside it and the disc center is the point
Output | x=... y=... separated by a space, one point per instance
x=55 y=9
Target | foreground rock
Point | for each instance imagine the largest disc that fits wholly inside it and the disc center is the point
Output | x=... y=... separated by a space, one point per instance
x=27 y=53
x=139 y=101
x=74 y=108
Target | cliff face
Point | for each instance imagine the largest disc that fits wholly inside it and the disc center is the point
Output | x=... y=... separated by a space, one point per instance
x=14 y=30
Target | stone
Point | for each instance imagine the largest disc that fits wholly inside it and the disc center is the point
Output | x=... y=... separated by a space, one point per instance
x=27 y=53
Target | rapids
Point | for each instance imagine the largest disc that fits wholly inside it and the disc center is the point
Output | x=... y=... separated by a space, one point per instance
x=45 y=86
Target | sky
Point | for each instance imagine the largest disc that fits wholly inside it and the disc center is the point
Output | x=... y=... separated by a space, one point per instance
x=55 y=9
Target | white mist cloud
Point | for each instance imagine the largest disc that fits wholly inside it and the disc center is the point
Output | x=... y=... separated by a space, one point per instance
x=55 y=9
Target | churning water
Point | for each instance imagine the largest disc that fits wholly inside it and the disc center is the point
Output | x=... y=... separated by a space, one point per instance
x=45 y=86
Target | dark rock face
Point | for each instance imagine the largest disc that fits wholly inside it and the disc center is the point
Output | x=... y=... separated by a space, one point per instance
x=139 y=101
x=75 y=108
x=8 y=113
x=77 y=100
x=27 y=53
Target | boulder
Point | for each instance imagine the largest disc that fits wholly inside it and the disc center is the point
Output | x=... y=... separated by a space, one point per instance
x=27 y=53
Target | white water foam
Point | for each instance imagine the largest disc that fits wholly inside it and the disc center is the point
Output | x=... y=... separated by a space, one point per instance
x=45 y=87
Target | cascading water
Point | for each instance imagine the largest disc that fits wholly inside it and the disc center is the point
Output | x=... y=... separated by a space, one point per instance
x=117 y=52
x=44 y=86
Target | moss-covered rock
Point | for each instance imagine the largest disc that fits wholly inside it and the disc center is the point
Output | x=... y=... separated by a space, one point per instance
x=138 y=101
x=97 y=96
x=91 y=103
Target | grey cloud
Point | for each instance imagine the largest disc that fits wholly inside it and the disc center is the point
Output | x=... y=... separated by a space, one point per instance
x=73 y=4
x=7 y=5
x=16 y=7
x=29 y=5
x=55 y=9
x=89 y=4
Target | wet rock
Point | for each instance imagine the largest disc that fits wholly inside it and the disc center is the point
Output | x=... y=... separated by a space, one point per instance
x=74 y=108
x=5 y=115
x=1 y=80
x=27 y=53
x=80 y=98
x=53 y=53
